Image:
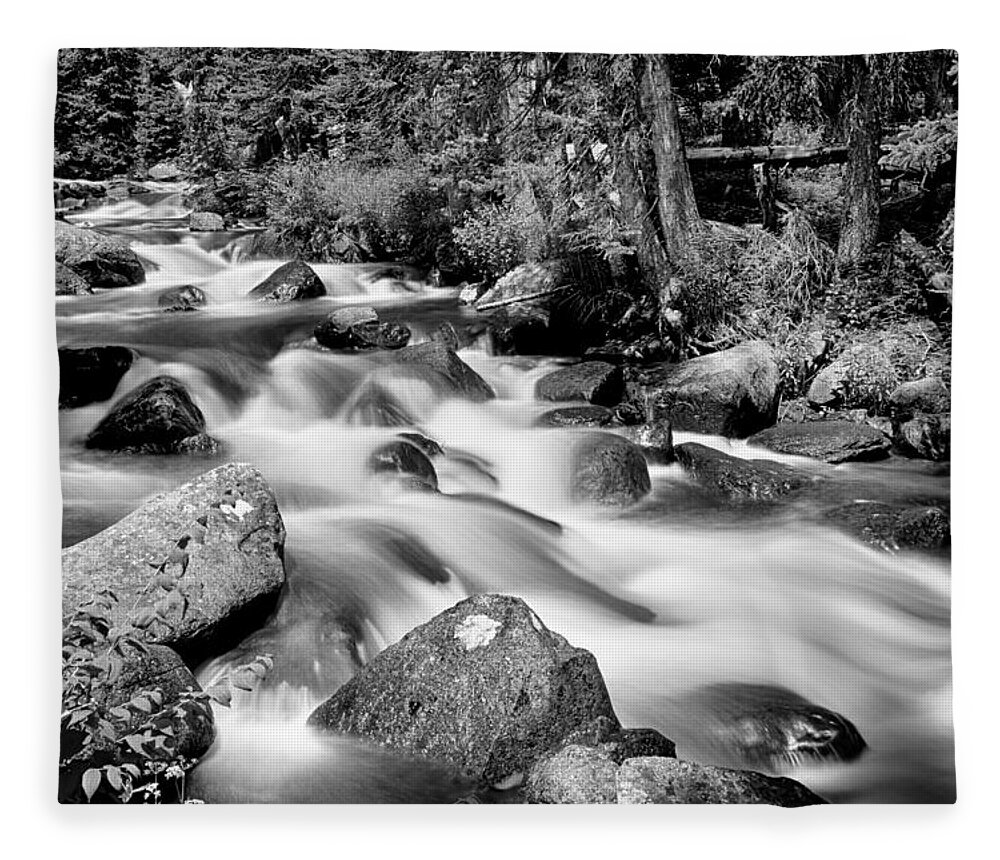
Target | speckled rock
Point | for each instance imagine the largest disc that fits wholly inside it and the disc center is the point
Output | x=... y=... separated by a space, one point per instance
x=925 y=436
x=291 y=282
x=737 y=480
x=927 y=395
x=102 y=261
x=607 y=470
x=69 y=283
x=574 y=774
x=206 y=222
x=665 y=780
x=155 y=418
x=484 y=687
x=220 y=536
x=594 y=381
x=831 y=441
x=893 y=526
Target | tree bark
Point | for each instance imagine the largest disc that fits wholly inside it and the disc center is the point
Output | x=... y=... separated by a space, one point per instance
x=676 y=205
x=859 y=225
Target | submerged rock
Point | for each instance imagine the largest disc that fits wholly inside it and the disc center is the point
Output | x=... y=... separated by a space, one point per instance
x=91 y=375
x=155 y=418
x=893 y=526
x=196 y=568
x=738 y=480
x=831 y=441
x=439 y=357
x=729 y=393
x=291 y=282
x=655 y=437
x=774 y=728
x=608 y=470
x=594 y=381
x=484 y=687
x=665 y=780
x=187 y=298
x=404 y=458
x=102 y=261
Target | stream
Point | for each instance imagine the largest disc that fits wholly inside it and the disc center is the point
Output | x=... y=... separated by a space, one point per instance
x=670 y=595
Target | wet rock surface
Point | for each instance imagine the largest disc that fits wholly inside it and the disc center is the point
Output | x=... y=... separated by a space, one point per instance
x=895 y=526
x=594 y=381
x=607 y=470
x=158 y=417
x=290 y=282
x=484 y=687
x=102 y=261
x=737 y=480
x=91 y=375
x=830 y=441
x=576 y=416
x=439 y=357
x=187 y=298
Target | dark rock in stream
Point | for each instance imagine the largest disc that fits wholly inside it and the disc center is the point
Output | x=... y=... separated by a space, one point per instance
x=895 y=526
x=404 y=458
x=594 y=381
x=830 y=441
x=291 y=282
x=729 y=393
x=576 y=416
x=665 y=780
x=158 y=417
x=774 y=728
x=607 y=470
x=102 y=261
x=359 y=328
x=91 y=375
x=220 y=536
x=484 y=687
x=737 y=480
x=187 y=298
x=444 y=360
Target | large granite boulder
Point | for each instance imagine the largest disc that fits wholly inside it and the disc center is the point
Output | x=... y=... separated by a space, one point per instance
x=69 y=283
x=483 y=687
x=854 y=379
x=290 y=282
x=573 y=774
x=928 y=395
x=737 y=480
x=102 y=261
x=91 y=375
x=831 y=441
x=729 y=393
x=186 y=298
x=594 y=381
x=439 y=357
x=158 y=417
x=607 y=470
x=196 y=568
x=666 y=780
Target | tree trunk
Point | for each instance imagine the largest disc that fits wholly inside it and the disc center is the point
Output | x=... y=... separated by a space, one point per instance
x=675 y=195
x=859 y=225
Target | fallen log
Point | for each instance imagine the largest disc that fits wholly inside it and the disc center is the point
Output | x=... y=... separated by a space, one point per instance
x=745 y=156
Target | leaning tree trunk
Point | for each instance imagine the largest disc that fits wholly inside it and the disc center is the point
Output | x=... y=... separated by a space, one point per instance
x=859 y=225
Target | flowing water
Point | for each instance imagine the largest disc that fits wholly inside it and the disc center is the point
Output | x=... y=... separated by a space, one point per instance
x=671 y=595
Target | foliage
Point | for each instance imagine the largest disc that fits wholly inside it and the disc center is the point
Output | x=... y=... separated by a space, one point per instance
x=132 y=750
x=925 y=146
